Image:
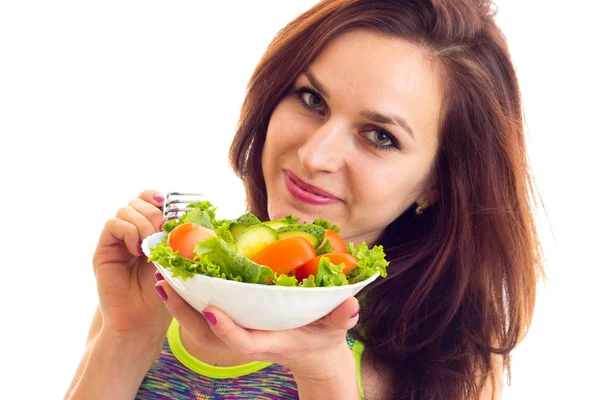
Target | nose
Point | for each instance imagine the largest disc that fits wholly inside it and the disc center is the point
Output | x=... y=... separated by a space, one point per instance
x=325 y=149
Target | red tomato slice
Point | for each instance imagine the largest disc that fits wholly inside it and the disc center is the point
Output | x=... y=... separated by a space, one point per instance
x=311 y=267
x=337 y=243
x=285 y=255
x=185 y=237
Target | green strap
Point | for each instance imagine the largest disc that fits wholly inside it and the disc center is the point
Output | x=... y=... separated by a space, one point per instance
x=211 y=371
x=358 y=349
x=203 y=368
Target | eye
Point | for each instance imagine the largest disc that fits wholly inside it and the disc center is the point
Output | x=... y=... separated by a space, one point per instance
x=380 y=138
x=310 y=99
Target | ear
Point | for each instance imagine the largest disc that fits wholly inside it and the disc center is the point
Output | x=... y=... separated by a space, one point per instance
x=429 y=193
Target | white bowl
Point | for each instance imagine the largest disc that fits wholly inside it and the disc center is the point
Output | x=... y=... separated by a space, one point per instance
x=255 y=306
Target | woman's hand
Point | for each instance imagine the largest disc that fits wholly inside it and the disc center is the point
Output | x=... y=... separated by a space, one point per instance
x=124 y=278
x=127 y=334
x=317 y=354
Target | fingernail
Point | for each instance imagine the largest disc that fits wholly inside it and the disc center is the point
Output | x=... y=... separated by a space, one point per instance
x=158 y=276
x=355 y=314
x=139 y=248
x=161 y=292
x=160 y=226
x=159 y=197
x=210 y=317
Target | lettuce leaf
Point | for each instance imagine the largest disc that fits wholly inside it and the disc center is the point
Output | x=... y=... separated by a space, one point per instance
x=369 y=262
x=289 y=219
x=233 y=264
x=202 y=214
x=182 y=267
x=330 y=274
x=224 y=232
x=326 y=248
x=286 y=280
x=309 y=282
x=326 y=224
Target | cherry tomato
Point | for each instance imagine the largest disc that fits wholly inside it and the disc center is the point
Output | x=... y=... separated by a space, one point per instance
x=311 y=267
x=285 y=255
x=337 y=243
x=185 y=237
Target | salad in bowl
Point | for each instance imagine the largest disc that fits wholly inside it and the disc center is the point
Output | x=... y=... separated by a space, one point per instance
x=267 y=275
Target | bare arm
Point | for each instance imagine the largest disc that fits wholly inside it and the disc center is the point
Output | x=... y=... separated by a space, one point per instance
x=131 y=322
x=93 y=333
x=343 y=385
x=115 y=367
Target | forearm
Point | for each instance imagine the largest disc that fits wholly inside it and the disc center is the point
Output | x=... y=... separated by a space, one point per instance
x=80 y=369
x=95 y=328
x=339 y=383
x=115 y=367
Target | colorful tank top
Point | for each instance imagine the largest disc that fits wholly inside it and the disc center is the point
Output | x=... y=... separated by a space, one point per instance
x=176 y=374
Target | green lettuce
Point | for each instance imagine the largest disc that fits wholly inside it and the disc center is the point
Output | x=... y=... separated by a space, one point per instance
x=309 y=282
x=370 y=262
x=182 y=267
x=326 y=224
x=326 y=248
x=234 y=265
x=223 y=231
x=202 y=214
x=286 y=280
x=330 y=274
x=289 y=219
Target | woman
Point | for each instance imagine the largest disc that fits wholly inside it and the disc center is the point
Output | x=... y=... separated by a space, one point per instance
x=401 y=122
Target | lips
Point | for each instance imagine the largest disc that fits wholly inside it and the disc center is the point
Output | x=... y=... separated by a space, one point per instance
x=307 y=193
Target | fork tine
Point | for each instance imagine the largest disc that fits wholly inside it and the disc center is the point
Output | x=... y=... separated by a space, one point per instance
x=168 y=203
x=185 y=194
x=173 y=201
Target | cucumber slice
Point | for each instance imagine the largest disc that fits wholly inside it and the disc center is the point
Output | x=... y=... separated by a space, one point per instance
x=255 y=238
x=243 y=222
x=275 y=224
x=313 y=233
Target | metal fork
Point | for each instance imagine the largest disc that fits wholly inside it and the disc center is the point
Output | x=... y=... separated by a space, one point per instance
x=176 y=204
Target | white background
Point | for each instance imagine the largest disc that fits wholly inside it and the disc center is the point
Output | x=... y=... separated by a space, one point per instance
x=100 y=100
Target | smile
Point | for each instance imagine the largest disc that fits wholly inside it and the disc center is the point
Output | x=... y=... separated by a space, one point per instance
x=306 y=193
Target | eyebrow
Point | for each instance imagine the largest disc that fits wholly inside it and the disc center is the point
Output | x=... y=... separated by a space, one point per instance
x=370 y=114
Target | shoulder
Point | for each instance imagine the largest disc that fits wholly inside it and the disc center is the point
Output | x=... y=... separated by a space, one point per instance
x=376 y=379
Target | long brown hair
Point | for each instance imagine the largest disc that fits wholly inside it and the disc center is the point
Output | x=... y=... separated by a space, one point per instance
x=463 y=275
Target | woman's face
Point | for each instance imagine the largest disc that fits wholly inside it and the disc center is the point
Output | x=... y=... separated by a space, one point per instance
x=355 y=139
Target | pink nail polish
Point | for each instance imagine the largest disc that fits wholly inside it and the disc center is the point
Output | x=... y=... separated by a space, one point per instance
x=210 y=317
x=355 y=314
x=158 y=276
x=160 y=226
x=139 y=249
x=159 y=197
x=161 y=292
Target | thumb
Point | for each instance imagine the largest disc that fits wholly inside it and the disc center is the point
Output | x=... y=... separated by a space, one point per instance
x=345 y=316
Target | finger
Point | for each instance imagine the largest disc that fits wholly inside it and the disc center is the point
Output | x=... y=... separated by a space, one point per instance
x=238 y=339
x=149 y=211
x=153 y=197
x=117 y=230
x=345 y=316
x=186 y=315
x=142 y=224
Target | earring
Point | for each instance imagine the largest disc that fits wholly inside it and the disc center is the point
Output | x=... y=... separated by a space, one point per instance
x=421 y=208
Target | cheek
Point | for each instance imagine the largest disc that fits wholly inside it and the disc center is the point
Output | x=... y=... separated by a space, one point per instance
x=389 y=189
x=286 y=132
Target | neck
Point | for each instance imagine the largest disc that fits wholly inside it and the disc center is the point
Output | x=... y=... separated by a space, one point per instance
x=211 y=350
